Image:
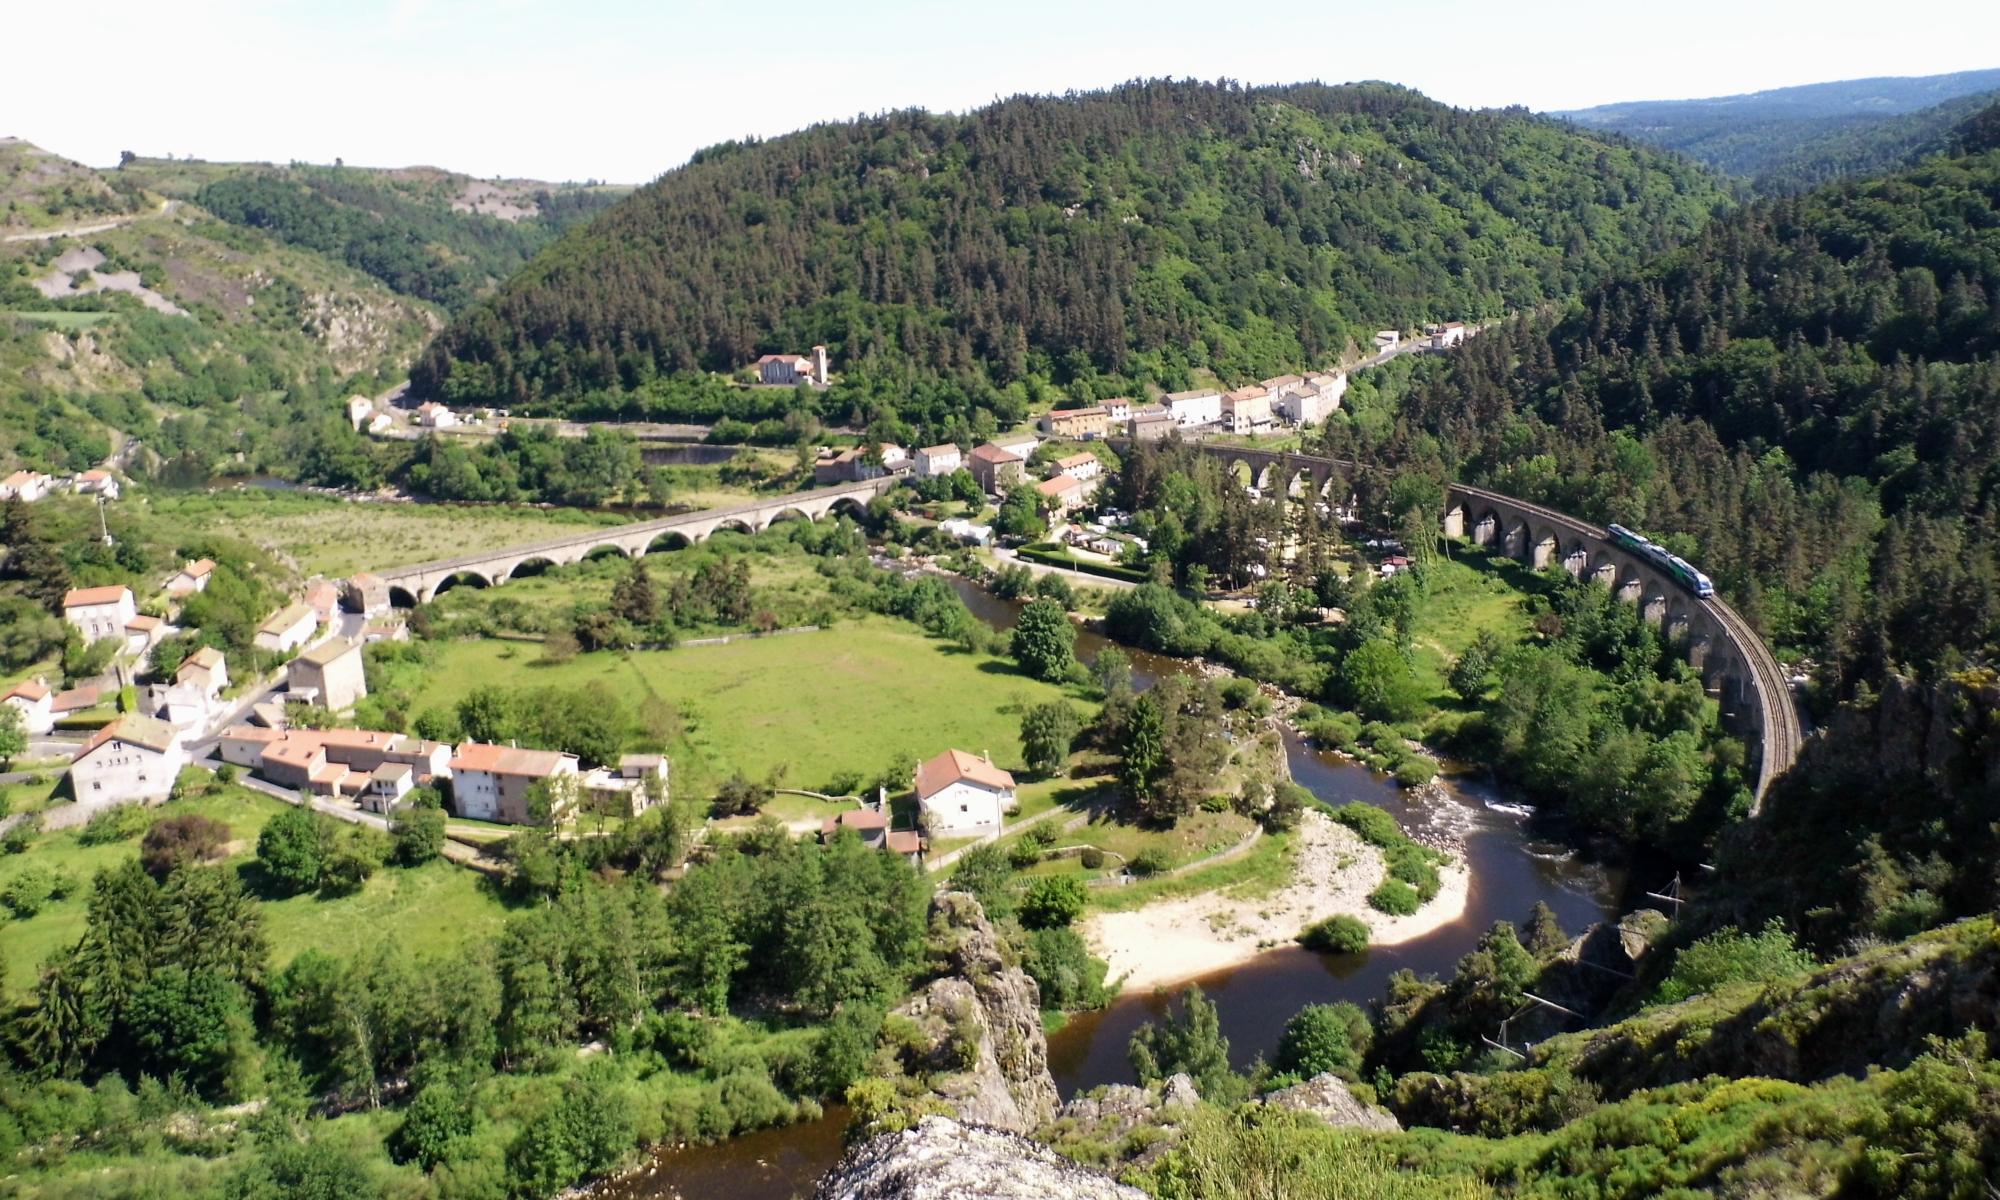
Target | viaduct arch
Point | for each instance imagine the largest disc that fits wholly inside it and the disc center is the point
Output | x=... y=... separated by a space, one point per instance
x=420 y=582
x=1733 y=661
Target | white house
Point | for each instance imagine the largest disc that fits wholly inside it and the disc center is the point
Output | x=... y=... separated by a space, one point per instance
x=144 y=632
x=381 y=422
x=963 y=795
x=1022 y=444
x=96 y=483
x=967 y=532
x=27 y=486
x=180 y=705
x=491 y=783
x=1387 y=339
x=204 y=670
x=100 y=612
x=35 y=702
x=286 y=629
x=1447 y=335
x=132 y=758
x=933 y=461
x=1118 y=409
x=630 y=788
x=359 y=409
x=1202 y=406
x=191 y=579
x=1082 y=465
x=387 y=785
x=432 y=415
x=1247 y=410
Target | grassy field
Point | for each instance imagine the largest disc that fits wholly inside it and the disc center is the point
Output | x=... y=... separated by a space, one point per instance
x=1467 y=595
x=430 y=909
x=847 y=699
x=61 y=320
x=333 y=537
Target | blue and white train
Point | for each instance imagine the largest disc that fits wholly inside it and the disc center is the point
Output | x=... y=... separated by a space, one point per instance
x=1665 y=559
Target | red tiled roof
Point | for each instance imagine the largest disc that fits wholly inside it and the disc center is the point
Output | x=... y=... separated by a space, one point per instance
x=904 y=841
x=27 y=689
x=1076 y=460
x=110 y=593
x=997 y=455
x=506 y=760
x=75 y=699
x=938 y=450
x=955 y=765
x=1056 y=485
x=139 y=731
x=861 y=819
x=144 y=622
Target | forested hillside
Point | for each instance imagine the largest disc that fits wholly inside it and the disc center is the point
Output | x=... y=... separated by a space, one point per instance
x=1804 y=402
x=1770 y=131
x=1092 y=243
x=1869 y=147
x=430 y=234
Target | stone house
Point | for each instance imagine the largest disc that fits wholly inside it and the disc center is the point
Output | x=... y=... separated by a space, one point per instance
x=132 y=758
x=206 y=670
x=96 y=483
x=25 y=486
x=997 y=468
x=191 y=578
x=1077 y=424
x=366 y=594
x=333 y=671
x=287 y=629
x=933 y=461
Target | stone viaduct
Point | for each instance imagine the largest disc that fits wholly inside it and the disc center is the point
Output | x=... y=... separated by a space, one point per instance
x=1734 y=662
x=420 y=582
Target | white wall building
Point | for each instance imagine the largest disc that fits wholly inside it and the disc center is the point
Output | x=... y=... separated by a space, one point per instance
x=287 y=629
x=132 y=758
x=100 y=612
x=26 y=486
x=1203 y=406
x=35 y=702
x=963 y=795
x=938 y=460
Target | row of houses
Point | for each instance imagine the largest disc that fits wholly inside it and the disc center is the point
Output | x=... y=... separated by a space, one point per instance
x=1292 y=400
x=29 y=486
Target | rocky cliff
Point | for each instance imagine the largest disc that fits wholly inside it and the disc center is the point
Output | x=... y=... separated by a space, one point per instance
x=942 y=1159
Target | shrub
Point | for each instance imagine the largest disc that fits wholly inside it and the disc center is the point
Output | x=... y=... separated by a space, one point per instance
x=177 y=841
x=1730 y=956
x=419 y=835
x=1053 y=902
x=1339 y=934
x=1069 y=976
x=1395 y=897
x=1324 y=1037
x=1092 y=858
x=293 y=849
x=115 y=824
x=1150 y=862
x=1415 y=770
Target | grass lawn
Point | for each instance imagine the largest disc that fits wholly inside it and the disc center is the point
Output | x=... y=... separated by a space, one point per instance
x=31 y=797
x=430 y=909
x=61 y=320
x=1468 y=594
x=846 y=699
x=333 y=537
x=1267 y=868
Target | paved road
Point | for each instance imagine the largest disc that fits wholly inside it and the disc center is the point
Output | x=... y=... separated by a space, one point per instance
x=1080 y=578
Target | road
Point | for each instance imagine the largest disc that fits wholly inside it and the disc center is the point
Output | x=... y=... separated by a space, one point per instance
x=1079 y=578
x=44 y=235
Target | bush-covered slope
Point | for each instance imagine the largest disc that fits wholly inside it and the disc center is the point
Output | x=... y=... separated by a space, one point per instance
x=1090 y=241
x=430 y=234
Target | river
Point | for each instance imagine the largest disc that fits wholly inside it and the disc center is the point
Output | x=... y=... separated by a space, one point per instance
x=1509 y=867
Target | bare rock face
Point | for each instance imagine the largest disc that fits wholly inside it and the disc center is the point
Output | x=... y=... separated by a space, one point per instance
x=982 y=1048
x=943 y=1159
x=1326 y=1097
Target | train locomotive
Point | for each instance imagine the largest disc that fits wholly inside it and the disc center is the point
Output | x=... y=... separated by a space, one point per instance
x=1663 y=558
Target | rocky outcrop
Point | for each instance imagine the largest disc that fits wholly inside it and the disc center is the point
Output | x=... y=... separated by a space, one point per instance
x=1121 y=1124
x=943 y=1159
x=1328 y=1097
x=976 y=1036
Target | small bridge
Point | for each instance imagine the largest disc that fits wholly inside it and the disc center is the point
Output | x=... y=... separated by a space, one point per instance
x=1734 y=662
x=419 y=583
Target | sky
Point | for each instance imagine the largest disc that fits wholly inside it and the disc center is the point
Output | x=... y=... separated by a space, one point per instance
x=622 y=90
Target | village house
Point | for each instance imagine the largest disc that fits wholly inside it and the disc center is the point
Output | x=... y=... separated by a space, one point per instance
x=846 y=466
x=333 y=762
x=491 y=783
x=1023 y=444
x=966 y=531
x=387 y=785
x=1061 y=494
x=191 y=578
x=385 y=629
x=963 y=795
x=1247 y=410
x=638 y=782
x=287 y=629
x=132 y=758
x=872 y=826
x=204 y=670
x=1082 y=466
x=996 y=468
x=1152 y=424
x=1202 y=406
x=1077 y=424
x=1118 y=409
x=324 y=600
x=1447 y=335
x=35 y=702
x=179 y=705
x=77 y=699
x=96 y=483
x=787 y=370
x=359 y=409
x=366 y=594
x=933 y=461
x=381 y=422
x=332 y=671
x=144 y=632
x=432 y=415
x=1387 y=339
x=25 y=486
x=1277 y=385
x=1316 y=401
x=100 y=612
